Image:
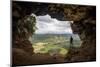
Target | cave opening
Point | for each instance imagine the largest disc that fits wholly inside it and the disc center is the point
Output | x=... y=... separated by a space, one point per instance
x=53 y=37
x=81 y=20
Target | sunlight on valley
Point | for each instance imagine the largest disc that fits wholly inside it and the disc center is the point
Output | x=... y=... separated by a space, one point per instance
x=50 y=49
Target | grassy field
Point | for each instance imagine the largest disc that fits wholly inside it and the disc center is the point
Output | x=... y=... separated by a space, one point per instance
x=53 y=44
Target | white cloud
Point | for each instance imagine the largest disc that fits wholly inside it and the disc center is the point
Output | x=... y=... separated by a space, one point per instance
x=48 y=25
x=46 y=18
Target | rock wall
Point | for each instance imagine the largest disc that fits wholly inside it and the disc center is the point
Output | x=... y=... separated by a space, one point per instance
x=84 y=18
x=22 y=49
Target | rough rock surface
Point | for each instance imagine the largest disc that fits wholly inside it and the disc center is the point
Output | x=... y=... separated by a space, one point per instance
x=84 y=18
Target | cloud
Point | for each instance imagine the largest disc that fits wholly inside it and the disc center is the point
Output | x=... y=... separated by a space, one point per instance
x=45 y=18
x=48 y=25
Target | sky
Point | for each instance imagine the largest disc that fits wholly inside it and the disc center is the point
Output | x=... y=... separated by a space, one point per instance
x=47 y=25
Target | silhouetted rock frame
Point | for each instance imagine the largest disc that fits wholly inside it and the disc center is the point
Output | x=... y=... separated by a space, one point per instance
x=84 y=17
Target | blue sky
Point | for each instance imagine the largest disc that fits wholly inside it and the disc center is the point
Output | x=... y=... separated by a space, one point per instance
x=48 y=25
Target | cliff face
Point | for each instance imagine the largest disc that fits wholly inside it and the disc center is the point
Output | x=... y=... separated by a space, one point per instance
x=22 y=29
x=84 y=18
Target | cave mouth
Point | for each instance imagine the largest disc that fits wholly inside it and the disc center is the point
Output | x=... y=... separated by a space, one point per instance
x=84 y=25
x=53 y=36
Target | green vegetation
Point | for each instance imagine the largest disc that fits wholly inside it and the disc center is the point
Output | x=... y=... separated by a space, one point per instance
x=53 y=44
x=49 y=48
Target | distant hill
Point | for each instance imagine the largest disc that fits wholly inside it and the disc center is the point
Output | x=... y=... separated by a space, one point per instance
x=44 y=36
